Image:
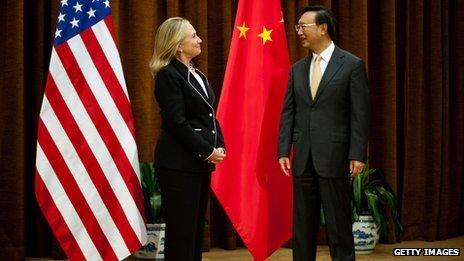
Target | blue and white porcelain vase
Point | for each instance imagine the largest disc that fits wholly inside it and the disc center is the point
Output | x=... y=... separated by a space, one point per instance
x=366 y=234
x=154 y=249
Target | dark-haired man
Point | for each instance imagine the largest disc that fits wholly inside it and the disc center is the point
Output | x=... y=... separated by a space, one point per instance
x=325 y=118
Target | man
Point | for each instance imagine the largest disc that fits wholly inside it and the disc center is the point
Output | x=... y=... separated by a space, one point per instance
x=325 y=117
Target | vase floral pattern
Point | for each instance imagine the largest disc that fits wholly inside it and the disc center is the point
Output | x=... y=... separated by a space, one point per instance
x=154 y=249
x=366 y=235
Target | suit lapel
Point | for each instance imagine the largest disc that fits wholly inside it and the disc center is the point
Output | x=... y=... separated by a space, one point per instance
x=198 y=87
x=335 y=63
x=183 y=70
x=211 y=96
x=306 y=75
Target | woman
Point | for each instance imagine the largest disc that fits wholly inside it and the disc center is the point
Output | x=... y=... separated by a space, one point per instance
x=190 y=143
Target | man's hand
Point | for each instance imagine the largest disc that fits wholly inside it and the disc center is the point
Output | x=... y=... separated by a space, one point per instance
x=217 y=156
x=356 y=167
x=285 y=166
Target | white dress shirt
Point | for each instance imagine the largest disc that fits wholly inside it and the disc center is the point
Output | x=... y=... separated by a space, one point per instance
x=326 y=54
x=200 y=81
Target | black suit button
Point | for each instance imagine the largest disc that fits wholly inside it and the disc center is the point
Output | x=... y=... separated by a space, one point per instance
x=213 y=131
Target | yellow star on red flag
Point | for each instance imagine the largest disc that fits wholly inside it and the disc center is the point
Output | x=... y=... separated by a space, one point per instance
x=258 y=68
x=266 y=35
x=243 y=30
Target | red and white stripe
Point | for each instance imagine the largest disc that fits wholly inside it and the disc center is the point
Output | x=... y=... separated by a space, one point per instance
x=88 y=180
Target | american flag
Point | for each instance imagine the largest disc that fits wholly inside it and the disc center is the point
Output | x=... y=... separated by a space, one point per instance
x=87 y=178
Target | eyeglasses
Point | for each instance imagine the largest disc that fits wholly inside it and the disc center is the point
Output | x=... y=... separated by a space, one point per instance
x=303 y=26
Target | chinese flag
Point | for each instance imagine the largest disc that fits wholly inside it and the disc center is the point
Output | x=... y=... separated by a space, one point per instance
x=256 y=196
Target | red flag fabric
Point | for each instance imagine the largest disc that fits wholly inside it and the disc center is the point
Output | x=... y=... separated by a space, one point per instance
x=87 y=179
x=256 y=196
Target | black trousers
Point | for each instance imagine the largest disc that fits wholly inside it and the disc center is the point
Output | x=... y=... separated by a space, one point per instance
x=335 y=194
x=184 y=196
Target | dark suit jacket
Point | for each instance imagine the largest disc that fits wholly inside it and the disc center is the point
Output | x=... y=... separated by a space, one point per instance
x=189 y=129
x=334 y=126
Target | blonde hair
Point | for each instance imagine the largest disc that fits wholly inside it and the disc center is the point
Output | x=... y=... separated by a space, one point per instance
x=167 y=40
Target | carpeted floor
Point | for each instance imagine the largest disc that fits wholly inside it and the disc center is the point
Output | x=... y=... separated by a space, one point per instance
x=382 y=252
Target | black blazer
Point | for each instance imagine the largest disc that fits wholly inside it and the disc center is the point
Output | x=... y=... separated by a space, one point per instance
x=189 y=129
x=333 y=126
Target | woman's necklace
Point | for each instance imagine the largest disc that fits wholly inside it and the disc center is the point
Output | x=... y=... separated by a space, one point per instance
x=191 y=68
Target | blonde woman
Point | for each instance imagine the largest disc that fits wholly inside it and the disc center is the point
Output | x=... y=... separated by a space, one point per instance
x=191 y=141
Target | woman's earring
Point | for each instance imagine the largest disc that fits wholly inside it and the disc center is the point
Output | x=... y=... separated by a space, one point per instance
x=180 y=50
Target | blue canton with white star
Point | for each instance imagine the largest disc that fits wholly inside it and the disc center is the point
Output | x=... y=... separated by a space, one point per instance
x=78 y=15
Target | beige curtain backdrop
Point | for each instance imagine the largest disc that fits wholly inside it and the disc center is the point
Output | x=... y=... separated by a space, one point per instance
x=414 y=62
